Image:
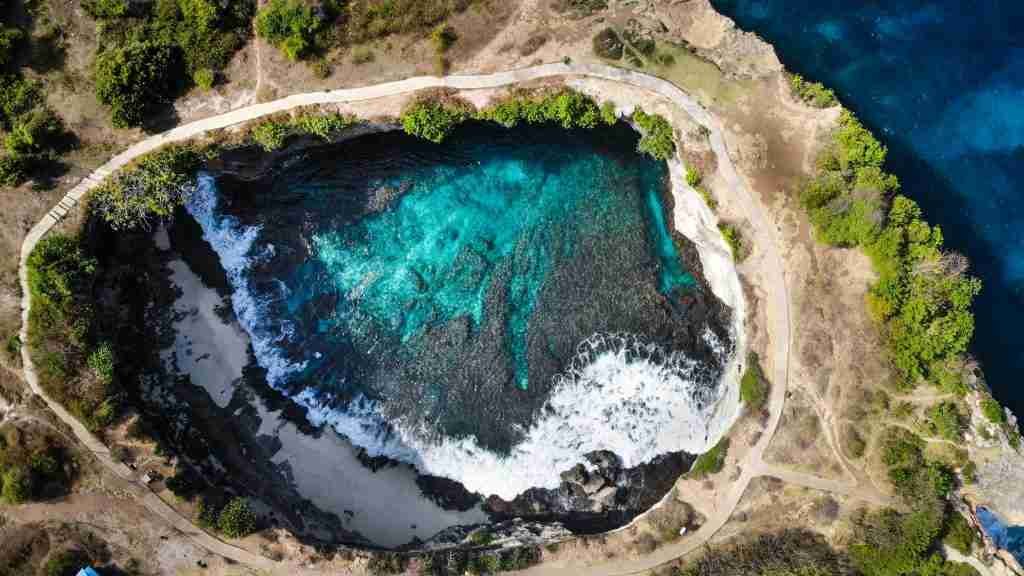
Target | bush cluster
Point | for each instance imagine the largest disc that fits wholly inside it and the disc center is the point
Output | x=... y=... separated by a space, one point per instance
x=923 y=295
x=658 y=140
x=149 y=190
x=293 y=26
x=370 y=19
x=62 y=333
x=434 y=120
x=790 y=552
x=148 y=51
x=272 y=134
x=567 y=108
x=892 y=543
x=34 y=132
x=812 y=93
x=946 y=421
x=234 y=519
x=29 y=463
x=608 y=45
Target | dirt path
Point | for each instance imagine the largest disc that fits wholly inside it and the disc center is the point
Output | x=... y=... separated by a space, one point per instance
x=736 y=192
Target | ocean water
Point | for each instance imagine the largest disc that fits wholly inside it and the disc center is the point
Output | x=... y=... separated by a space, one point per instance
x=941 y=82
x=489 y=310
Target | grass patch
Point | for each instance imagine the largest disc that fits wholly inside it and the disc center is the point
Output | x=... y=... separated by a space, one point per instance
x=712 y=461
x=732 y=236
x=753 y=384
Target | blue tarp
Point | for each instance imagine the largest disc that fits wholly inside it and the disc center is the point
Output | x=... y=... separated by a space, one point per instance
x=87 y=571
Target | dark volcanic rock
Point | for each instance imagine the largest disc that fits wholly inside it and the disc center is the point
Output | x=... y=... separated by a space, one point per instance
x=603 y=498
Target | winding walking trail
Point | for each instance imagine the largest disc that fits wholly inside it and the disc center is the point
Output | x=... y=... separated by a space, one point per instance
x=736 y=192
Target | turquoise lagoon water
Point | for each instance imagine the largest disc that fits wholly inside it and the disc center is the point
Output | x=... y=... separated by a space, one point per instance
x=514 y=296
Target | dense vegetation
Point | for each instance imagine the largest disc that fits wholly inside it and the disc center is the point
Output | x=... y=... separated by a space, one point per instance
x=812 y=93
x=62 y=335
x=32 y=465
x=150 y=51
x=657 y=140
x=293 y=25
x=893 y=543
x=301 y=29
x=567 y=108
x=923 y=295
x=33 y=135
x=434 y=120
x=272 y=134
x=149 y=190
x=791 y=552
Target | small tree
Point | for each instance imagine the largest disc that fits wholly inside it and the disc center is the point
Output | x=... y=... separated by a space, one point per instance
x=136 y=79
x=17 y=485
x=236 y=520
x=34 y=131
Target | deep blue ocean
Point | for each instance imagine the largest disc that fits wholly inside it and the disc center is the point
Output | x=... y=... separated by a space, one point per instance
x=942 y=84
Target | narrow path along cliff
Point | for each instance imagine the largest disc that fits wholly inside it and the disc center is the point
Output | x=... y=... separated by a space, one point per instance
x=737 y=192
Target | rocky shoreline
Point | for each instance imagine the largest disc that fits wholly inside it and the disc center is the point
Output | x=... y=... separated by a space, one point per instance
x=595 y=498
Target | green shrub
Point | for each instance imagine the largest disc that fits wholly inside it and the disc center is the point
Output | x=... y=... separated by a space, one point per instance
x=362 y=56
x=206 y=514
x=66 y=563
x=567 y=108
x=236 y=520
x=657 y=140
x=105 y=9
x=203 y=78
x=290 y=25
x=270 y=135
x=946 y=420
x=101 y=362
x=993 y=411
x=731 y=235
x=17 y=485
x=135 y=79
x=712 y=461
x=18 y=96
x=9 y=39
x=323 y=125
x=608 y=45
x=608 y=114
x=149 y=190
x=13 y=169
x=753 y=384
x=34 y=131
x=693 y=177
x=433 y=120
x=812 y=93
x=959 y=534
x=442 y=37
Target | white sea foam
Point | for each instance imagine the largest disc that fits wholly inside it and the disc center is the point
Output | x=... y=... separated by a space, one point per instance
x=619 y=394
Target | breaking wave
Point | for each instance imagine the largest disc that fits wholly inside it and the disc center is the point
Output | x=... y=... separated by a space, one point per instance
x=619 y=393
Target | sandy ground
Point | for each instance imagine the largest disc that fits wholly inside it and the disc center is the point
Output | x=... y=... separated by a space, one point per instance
x=385 y=506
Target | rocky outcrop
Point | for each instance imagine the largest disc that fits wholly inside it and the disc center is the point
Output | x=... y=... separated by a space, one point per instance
x=597 y=496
